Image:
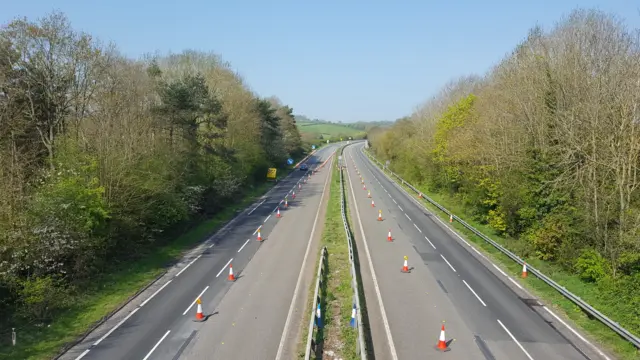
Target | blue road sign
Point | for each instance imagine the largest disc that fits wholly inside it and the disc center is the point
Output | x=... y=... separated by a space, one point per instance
x=290 y=161
x=313 y=147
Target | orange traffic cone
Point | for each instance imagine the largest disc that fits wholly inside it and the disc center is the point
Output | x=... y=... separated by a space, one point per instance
x=369 y=194
x=450 y=218
x=420 y=195
x=299 y=186
x=293 y=196
x=364 y=187
x=199 y=312
x=278 y=213
x=405 y=267
x=442 y=341
x=362 y=181
x=231 y=277
x=372 y=203
x=389 y=238
x=379 y=215
x=524 y=270
x=286 y=203
x=305 y=180
x=259 y=236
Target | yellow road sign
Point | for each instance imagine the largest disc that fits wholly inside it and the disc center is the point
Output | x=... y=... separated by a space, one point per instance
x=271 y=173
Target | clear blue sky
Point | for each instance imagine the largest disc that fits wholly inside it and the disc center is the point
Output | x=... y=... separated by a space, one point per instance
x=334 y=60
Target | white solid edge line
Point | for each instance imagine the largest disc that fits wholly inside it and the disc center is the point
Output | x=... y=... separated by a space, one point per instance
x=452 y=231
x=500 y=270
x=576 y=333
x=417 y=228
x=296 y=290
x=477 y=252
x=515 y=283
x=445 y=260
x=224 y=267
x=243 y=245
x=392 y=347
x=265 y=220
x=155 y=293
x=157 y=344
x=83 y=354
x=115 y=327
x=189 y=264
x=514 y=339
x=408 y=217
x=194 y=300
x=474 y=293
x=433 y=246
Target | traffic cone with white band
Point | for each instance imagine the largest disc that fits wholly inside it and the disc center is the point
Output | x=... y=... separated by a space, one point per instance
x=405 y=267
x=231 y=276
x=442 y=341
x=199 y=313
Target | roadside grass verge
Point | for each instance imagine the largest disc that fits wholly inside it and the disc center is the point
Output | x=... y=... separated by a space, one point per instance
x=336 y=337
x=112 y=289
x=366 y=326
x=603 y=336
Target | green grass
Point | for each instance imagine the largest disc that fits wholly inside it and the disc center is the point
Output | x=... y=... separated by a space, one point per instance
x=366 y=326
x=337 y=334
x=113 y=289
x=604 y=337
x=329 y=131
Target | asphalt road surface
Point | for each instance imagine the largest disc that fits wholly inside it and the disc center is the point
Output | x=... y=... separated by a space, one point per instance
x=245 y=318
x=484 y=317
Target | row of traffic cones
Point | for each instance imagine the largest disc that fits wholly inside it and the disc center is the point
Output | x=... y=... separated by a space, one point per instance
x=389 y=238
x=286 y=202
x=200 y=316
x=293 y=196
x=442 y=342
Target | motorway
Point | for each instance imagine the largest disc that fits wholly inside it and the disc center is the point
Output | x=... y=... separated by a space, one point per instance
x=255 y=317
x=484 y=318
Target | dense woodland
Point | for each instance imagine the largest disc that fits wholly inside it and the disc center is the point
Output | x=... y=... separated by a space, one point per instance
x=101 y=156
x=544 y=148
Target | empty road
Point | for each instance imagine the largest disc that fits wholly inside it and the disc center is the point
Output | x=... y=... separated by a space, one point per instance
x=245 y=318
x=484 y=318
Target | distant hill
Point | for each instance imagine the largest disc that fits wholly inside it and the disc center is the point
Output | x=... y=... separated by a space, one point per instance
x=333 y=131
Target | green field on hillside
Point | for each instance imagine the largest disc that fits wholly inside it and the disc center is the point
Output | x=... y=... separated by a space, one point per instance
x=328 y=131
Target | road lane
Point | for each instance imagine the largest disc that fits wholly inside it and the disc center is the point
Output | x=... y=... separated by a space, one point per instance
x=506 y=323
x=251 y=317
x=143 y=322
x=414 y=303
